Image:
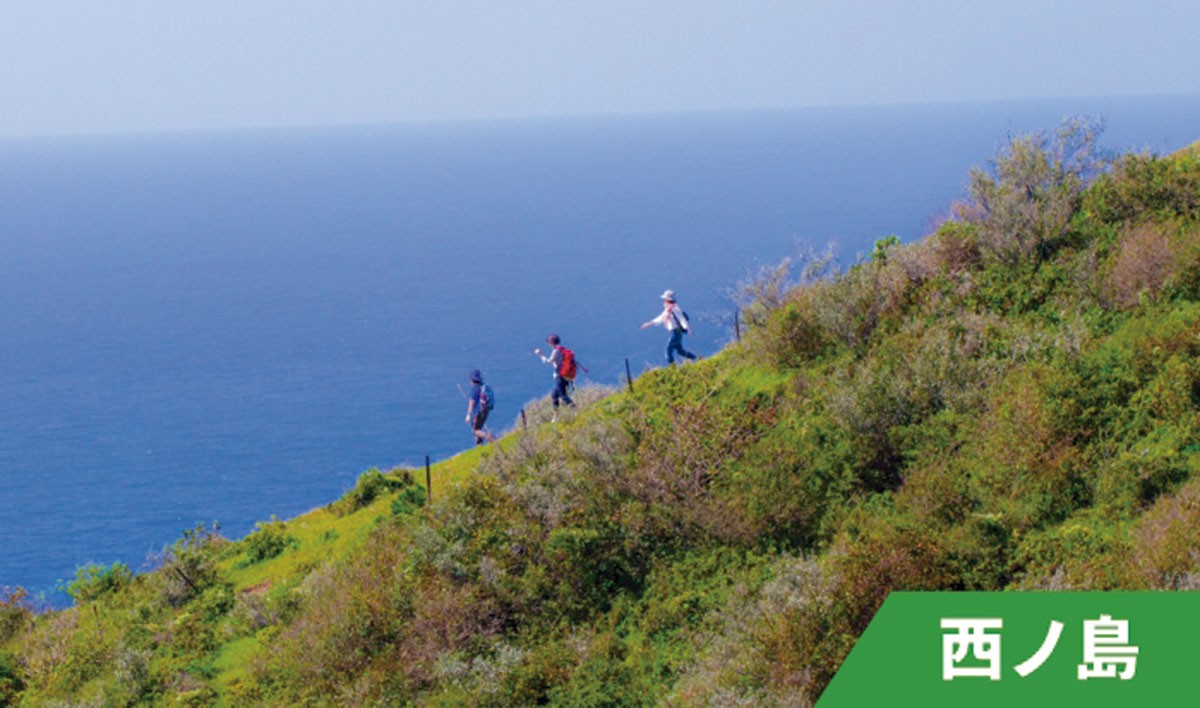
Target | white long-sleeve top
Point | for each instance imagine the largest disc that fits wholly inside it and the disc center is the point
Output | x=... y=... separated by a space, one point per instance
x=555 y=359
x=671 y=323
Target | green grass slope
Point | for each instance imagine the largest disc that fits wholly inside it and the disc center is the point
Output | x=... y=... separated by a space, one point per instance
x=1011 y=403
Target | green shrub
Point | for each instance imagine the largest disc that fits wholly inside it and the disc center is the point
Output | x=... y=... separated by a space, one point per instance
x=1144 y=264
x=133 y=681
x=779 y=642
x=591 y=568
x=1024 y=205
x=616 y=670
x=1026 y=469
x=1087 y=552
x=547 y=664
x=189 y=566
x=16 y=611
x=1144 y=187
x=764 y=292
x=370 y=486
x=790 y=479
x=793 y=335
x=410 y=498
x=1166 y=541
x=268 y=541
x=11 y=684
x=1109 y=376
x=93 y=582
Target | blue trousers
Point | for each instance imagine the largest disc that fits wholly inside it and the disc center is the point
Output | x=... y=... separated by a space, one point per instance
x=560 y=392
x=675 y=345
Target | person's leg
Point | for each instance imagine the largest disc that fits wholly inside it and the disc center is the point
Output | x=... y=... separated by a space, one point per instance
x=683 y=352
x=477 y=428
x=555 y=394
x=676 y=346
x=560 y=386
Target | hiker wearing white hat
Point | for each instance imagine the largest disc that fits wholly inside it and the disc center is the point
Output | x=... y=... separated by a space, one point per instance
x=676 y=321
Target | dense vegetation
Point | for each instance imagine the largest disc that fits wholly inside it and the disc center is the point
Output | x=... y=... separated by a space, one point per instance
x=1010 y=403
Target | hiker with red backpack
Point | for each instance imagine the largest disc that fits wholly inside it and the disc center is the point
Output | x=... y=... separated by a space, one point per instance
x=676 y=321
x=565 y=369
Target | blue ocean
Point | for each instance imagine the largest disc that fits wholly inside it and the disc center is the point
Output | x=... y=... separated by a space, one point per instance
x=222 y=327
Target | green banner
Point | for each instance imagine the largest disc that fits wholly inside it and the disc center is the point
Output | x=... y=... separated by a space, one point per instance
x=1025 y=649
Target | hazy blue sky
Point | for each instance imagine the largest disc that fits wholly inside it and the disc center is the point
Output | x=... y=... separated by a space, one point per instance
x=133 y=65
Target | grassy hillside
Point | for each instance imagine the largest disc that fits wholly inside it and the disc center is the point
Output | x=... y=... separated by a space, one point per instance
x=1011 y=403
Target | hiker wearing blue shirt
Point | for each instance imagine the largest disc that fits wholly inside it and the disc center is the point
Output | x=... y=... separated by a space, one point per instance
x=479 y=404
x=676 y=321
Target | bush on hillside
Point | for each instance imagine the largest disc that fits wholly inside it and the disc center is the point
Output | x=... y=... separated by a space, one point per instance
x=1144 y=263
x=16 y=611
x=1027 y=469
x=1147 y=188
x=268 y=541
x=370 y=486
x=1023 y=205
x=11 y=684
x=189 y=566
x=1086 y=552
x=95 y=581
x=1166 y=553
x=763 y=292
x=825 y=314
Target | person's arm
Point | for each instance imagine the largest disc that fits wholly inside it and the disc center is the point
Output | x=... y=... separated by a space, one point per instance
x=657 y=320
x=471 y=401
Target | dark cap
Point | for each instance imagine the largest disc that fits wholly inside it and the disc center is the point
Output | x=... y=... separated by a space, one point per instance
x=476 y=377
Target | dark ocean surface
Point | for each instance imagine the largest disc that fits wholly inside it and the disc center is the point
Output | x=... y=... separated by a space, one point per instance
x=229 y=326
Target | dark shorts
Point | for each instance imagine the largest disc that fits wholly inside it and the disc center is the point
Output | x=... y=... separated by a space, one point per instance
x=479 y=419
x=561 y=392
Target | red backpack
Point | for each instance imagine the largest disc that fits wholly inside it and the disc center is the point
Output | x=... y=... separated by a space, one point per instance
x=567 y=368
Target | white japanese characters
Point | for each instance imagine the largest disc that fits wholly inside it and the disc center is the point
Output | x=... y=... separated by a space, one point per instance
x=971 y=649
x=1105 y=648
x=1035 y=662
x=974 y=636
